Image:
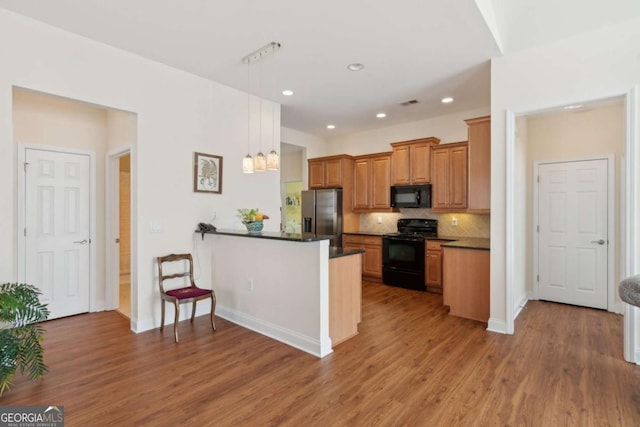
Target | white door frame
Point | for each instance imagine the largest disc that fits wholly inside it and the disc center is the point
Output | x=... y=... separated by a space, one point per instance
x=611 y=245
x=22 y=274
x=630 y=205
x=631 y=225
x=112 y=264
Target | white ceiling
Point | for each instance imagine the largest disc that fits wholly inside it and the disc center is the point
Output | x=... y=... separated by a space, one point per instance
x=412 y=49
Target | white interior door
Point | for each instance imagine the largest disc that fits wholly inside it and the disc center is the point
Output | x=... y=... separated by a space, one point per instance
x=57 y=229
x=572 y=247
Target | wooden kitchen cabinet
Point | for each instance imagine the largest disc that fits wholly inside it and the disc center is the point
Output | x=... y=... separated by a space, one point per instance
x=372 y=266
x=345 y=297
x=433 y=266
x=336 y=172
x=411 y=161
x=449 y=173
x=466 y=282
x=372 y=259
x=372 y=179
x=330 y=172
x=479 y=132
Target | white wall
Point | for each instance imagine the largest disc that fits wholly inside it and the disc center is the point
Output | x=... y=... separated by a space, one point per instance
x=178 y=114
x=292 y=166
x=278 y=288
x=315 y=146
x=594 y=65
x=121 y=130
x=520 y=290
x=448 y=128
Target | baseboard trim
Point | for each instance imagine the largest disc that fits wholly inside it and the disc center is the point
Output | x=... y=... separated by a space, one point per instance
x=498 y=326
x=278 y=333
x=520 y=305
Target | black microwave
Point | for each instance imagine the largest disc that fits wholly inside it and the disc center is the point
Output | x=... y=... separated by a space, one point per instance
x=411 y=196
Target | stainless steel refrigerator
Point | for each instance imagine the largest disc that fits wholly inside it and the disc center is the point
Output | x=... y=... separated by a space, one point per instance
x=322 y=213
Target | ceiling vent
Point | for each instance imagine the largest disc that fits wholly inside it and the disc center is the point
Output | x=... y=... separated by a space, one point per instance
x=408 y=103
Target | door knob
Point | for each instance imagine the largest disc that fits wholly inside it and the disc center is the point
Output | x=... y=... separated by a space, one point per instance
x=81 y=242
x=600 y=242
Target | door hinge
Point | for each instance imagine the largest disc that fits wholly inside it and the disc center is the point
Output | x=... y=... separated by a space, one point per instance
x=538 y=228
x=537 y=278
x=538 y=178
x=25 y=232
x=25 y=166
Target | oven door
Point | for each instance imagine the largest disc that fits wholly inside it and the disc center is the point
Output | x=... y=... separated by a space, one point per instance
x=403 y=262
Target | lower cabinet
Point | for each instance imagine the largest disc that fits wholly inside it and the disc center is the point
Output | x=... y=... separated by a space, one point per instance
x=433 y=266
x=466 y=282
x=372 y=259
x=345 y=297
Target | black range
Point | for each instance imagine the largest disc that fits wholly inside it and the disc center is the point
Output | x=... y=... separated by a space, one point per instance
x=403 y=253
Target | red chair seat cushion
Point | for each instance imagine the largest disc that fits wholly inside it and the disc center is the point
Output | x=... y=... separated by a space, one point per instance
x=189 y=292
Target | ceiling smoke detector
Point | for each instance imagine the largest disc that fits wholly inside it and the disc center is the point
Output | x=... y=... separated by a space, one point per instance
x=408 y=103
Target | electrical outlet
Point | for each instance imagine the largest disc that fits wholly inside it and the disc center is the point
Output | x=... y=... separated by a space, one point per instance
x=454 y=221
x=379 y=220
x=250 y=284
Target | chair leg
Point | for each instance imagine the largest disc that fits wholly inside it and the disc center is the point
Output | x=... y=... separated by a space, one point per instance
x=162 y=302
x=213 y=309
x=175 y=323
x=193 y=310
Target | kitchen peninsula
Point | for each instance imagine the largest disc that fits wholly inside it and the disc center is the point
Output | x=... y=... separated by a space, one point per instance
x=294 y=288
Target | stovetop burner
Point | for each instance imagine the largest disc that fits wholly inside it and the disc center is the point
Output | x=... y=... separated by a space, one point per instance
x=416 y=228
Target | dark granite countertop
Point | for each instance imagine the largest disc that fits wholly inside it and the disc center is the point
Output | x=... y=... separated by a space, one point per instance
x=339 y=252
x=334 y=252
x=292 y=237
x=469 y=243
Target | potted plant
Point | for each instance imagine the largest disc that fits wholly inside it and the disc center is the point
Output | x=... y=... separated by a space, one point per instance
x=20 y=332
x=252 y=219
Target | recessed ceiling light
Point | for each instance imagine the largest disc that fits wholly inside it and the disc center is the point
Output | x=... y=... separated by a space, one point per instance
x=381 y=115
x=446 y=100
x=356 y=66
x=573 y=107
x=287 y=92
x=331 y=126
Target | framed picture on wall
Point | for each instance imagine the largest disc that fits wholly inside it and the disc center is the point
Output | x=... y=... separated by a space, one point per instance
x=207 y=173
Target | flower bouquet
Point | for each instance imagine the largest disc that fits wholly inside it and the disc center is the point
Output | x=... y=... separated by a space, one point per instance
x=252 y=219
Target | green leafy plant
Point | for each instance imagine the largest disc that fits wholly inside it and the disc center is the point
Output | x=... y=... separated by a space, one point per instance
x=250 y=215
x=20 y=333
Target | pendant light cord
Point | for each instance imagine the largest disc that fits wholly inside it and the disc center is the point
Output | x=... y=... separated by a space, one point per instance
x=248 y=108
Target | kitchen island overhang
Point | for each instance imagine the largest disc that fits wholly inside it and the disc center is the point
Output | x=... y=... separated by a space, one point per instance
x=277 y=284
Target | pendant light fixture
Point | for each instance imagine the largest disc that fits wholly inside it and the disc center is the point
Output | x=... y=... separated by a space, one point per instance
x=273 y=162
x=261 y=162
x=247 y=161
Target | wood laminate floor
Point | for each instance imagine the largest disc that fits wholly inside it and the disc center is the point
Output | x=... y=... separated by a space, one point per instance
x=411 y=365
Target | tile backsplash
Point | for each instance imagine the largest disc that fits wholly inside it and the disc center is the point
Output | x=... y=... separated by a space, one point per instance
x=469 y=225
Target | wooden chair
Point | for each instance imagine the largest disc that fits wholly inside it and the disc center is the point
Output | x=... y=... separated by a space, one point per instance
x=185 y=294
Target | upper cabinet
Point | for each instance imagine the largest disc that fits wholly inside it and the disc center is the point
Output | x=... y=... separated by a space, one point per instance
x=412 y=161
x=449 y=170
x=479 y=165
x=330 y=172
x=372 y=178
